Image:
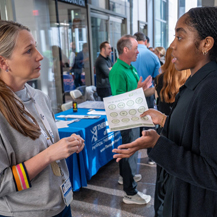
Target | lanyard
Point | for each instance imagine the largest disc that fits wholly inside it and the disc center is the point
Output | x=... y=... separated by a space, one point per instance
x=49 y=135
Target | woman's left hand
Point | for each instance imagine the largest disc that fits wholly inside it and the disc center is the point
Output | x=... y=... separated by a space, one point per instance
x=80 y=148
x=147 y=140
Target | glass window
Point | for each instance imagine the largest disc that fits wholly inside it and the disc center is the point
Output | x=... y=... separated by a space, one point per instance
x=73 y=47
x=199 y=3
x=181 y=7
x=161 y=22
x=6 y=12
x=115 y=35
x=99 y=3
x=118 y=6
x=99 y=34
x=143 y=28
x=160 y=9
x=160 y=34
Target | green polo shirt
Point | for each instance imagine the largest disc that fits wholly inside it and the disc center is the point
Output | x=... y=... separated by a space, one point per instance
x=123 y=78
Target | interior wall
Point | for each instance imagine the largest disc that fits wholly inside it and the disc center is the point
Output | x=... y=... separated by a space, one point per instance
x=209 y=3
x=172 y=19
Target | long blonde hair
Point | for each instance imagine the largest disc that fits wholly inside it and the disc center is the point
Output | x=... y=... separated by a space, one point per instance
x=12 y=108
x=172 y=79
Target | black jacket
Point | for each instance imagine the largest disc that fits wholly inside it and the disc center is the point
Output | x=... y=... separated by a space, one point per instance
x=102 y=66
x=193 y=162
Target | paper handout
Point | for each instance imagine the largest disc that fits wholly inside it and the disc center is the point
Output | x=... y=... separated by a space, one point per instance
x=123 y=111
x=64 y=124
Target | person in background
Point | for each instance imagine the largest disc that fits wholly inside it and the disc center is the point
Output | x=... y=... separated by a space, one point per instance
x=123 y=78
x=72 y=55
x=32 y=166
x=160 y=52
x=81 y=61
x=103 y=65
x=187 y=149
x=56 y=52
x=167 y=84
x=146 y=64
x=151 y=49
x=114 y=55
x=148 y=41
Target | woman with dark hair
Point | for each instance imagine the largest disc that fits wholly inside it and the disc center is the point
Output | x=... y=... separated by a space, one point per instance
x=32 y=166
x=187 y=148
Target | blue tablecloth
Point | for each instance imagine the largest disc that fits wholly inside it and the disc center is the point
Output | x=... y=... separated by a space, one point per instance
x=99 y=142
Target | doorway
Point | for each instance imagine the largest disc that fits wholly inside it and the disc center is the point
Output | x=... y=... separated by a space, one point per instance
x=106 y=28
x=69 y=39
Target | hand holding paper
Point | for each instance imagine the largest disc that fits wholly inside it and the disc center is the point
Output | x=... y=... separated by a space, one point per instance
x=123 y=111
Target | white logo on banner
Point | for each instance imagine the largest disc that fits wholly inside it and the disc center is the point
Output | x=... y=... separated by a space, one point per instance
x=94 y=132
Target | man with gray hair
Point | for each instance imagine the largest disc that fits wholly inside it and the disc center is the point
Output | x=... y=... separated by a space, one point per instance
x=123 y=78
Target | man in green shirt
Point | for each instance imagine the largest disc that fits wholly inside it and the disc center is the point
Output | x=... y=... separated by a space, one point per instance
x=123 y=78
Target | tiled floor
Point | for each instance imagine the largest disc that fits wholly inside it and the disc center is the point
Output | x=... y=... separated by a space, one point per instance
x=103 y=195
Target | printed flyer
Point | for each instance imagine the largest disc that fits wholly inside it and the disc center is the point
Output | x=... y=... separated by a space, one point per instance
x=123 y=111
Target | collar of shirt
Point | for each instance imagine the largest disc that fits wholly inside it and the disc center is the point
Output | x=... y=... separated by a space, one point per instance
x=130 y=67
x=23 y=95
x=193 y=81
x=106 y=58
x=126 y=65
x=142 y=46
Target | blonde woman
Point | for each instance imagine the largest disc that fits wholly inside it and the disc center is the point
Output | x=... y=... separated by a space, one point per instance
x=33 y=172
x=160 y=52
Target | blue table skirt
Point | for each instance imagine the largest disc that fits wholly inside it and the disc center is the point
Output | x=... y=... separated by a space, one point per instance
x=99 y=142
x=75 y=162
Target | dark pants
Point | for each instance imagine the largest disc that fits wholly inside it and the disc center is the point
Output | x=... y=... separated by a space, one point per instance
x=77 y=74
x=104 y=92
x=128 y=166
x=163 y=193
x=150 y=101
x=65 y=213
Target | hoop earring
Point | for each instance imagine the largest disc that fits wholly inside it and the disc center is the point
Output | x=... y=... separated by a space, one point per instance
x=205 y=53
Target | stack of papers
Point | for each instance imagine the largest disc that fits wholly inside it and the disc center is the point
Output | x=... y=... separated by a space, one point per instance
x=92 y=105
x=94 y=112
x=64 y=124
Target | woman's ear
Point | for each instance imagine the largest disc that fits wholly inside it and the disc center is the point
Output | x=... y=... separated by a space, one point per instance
x=208 y=43
x=3 y=64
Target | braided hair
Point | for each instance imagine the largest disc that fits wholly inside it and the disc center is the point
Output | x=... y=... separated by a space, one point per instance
x=204 y=20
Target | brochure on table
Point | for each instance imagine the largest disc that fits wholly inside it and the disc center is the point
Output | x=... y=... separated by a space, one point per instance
x=123 y=111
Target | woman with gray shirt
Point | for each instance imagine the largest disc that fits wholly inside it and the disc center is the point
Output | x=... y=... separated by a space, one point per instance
x=33 y=172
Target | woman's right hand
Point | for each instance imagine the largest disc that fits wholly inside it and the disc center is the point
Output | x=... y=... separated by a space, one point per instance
x=156 y=116
x=64 y=148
